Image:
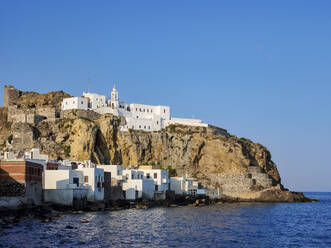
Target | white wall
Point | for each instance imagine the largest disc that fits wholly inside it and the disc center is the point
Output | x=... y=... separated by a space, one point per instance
x=96 y=100
x=64 y=196
x=116 y=171
x=106 y=110
x=161 y=180
x=61 y=179
x=187 y=122
x=183 y=185
x=95 y=175
x=177 y=184
x=132 y=174
x=75 y=103
x=144 y=187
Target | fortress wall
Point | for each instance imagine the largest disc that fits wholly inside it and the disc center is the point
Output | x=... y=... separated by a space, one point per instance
x=237 y=184
x=11 y=95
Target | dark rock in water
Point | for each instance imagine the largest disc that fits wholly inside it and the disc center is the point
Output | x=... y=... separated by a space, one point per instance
x=84 y=221
x=69 y=227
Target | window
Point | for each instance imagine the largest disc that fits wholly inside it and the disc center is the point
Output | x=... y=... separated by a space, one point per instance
x=144 y=110
x=81 y=102
x=144 y=127
x=155 y=175
x=86 y=179
x=148 y=176
x=73 y=102
x=157 y=123
x=156 y=187
x=163 y=110
x=76 y=181
x=147 y=110
x=136 y=109
x=132 y=127
x=66 y=103
x=132 y=176
x=149 y=127
x=137 y=116
x=139 y=126
x=140 y=109
x=151 y=111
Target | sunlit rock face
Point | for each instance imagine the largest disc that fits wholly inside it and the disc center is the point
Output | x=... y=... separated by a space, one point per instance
x=238 y=166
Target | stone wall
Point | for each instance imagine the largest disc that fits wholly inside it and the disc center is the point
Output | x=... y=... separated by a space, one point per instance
x=31 y=116
x=10 y=95
x=86 y=114
x=24 y=136
x=11 y=188
x=237 y=184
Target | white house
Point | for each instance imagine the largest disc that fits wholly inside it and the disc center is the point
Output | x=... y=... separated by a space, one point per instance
x=75 y=103
x=116 y=172
x=95 y=100
x=64 y=187
x=138 y=188
x=160 y=178
x=94 y=178
x=130 y=174
x=35 y=154
x=183 y=185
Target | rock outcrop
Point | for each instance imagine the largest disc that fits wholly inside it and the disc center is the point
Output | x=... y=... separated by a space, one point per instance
x=238 y=166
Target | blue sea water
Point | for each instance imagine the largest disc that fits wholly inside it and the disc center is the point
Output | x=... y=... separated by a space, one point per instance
x=227 y=225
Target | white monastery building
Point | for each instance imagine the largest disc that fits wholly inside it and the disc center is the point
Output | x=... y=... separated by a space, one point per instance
x=75 y=103
x=138 y=116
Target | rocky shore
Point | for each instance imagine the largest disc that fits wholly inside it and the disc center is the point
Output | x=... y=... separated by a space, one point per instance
x=48 y=213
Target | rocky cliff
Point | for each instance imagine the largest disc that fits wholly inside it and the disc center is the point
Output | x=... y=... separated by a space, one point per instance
x=238 y=166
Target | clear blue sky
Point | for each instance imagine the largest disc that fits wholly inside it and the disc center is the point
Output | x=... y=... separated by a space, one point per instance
x=261 y=69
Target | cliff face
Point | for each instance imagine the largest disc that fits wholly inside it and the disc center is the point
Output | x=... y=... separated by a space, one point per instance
x=237 y=166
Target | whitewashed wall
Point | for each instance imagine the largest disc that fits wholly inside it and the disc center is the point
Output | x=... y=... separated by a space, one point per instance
x=188 y=122
x=95 y=175
x=75 y=103
x=96 y=100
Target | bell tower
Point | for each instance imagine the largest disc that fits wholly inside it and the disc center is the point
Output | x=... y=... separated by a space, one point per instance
x=114 y=102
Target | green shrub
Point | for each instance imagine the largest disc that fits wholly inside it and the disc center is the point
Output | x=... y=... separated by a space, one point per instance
x=172 y=128
x=67 y=150
x=172 y=172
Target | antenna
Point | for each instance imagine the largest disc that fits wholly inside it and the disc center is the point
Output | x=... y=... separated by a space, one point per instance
x=88 y=85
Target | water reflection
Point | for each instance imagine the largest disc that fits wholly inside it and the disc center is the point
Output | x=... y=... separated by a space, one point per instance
x=228 y=225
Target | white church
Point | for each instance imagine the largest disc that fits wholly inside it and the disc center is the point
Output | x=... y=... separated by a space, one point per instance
x=138 y=116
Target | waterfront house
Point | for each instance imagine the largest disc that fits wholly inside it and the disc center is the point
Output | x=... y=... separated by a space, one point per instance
x=114 y=190
x=116 y=172
x=20 y=181
x=136 y=186
x=184 y=185
x=65 y=187
x=160 y=178
x=94 y=178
